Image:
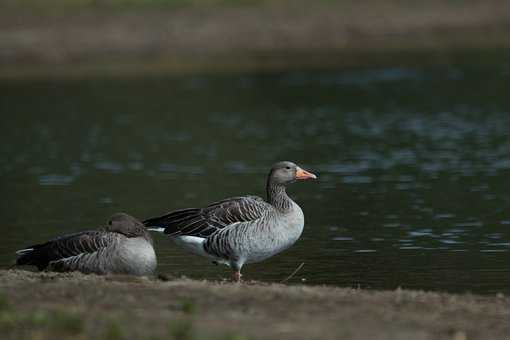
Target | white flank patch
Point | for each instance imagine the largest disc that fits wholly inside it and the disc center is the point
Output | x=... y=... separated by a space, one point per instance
x=193 y=244
x=157 y=229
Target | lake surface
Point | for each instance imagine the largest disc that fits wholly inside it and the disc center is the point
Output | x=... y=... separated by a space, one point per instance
x=413 y=166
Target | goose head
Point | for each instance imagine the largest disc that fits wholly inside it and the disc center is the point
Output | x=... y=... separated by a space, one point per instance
x=125 y=224
x=283 y=173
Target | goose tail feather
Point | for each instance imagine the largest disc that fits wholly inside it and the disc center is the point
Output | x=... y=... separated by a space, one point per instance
x=24 y=251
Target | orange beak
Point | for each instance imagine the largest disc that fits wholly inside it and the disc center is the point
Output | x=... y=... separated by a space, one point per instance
x=303 y=174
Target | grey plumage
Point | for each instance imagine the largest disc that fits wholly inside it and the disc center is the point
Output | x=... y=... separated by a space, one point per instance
x=244 y=229
x=121 y=247
x=203 y=222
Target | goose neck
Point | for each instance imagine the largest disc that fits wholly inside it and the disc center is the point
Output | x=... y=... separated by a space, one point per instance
x=277 y=197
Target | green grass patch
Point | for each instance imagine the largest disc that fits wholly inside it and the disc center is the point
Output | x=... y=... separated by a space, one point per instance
x=188 y=307
x=8 y=321
x=113 y=331
x=4 y=302
x=234 y=337
x=57 y=323
x=54 y=321
x=181 y=329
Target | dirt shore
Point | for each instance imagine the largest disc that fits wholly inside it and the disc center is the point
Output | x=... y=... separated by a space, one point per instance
x=48 y=305
x=261 y=36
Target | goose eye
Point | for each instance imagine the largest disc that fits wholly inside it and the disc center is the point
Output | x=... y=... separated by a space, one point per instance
x=287 y=167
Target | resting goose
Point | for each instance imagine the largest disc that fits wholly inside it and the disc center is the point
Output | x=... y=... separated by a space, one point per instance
x=240 y=230
x=122 y=247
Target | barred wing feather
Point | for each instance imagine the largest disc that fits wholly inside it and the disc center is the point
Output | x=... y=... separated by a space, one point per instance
x=203 y=222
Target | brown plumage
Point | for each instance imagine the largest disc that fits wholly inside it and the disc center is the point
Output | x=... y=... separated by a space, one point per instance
x=123 y=246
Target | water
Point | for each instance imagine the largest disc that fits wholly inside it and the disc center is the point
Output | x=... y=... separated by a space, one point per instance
x=413 y=165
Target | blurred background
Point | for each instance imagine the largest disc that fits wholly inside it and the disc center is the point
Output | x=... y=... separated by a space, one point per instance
x=145 y=106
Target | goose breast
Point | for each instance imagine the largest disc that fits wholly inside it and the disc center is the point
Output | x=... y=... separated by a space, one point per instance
x=283 y=232
x=250 y=242
x=136 y=256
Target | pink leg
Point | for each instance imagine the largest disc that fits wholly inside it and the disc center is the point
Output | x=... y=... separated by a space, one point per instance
x=237 y=276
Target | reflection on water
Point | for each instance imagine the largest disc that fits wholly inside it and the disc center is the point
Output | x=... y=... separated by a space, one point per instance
x=413 y=165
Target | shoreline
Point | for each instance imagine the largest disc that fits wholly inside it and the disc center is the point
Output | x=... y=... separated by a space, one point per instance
x=248 y=38
x=117 y=307
x=251 y=65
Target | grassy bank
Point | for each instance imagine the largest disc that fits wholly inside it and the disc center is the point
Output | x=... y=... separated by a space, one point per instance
x=120 y=37
x=46 y=306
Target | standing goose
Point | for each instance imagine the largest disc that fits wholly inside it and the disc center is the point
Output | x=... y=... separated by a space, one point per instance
x=244 y=229
x=122 y=247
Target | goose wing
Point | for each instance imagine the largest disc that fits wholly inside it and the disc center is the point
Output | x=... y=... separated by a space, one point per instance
x=203 y=222
x=86 y=242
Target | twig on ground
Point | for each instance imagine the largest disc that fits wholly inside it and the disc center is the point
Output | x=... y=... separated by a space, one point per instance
x=293 y=273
